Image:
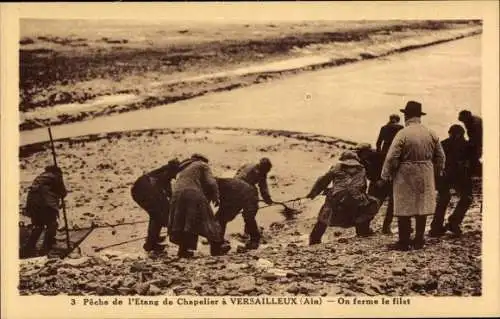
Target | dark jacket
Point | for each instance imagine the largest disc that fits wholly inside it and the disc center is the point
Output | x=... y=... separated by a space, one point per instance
x=341 y=181
x=474 y=129
x=46 y=191
x=386 y=135
x=252 y=174
x=152 y=192
x=373 y=165
x=457 y=163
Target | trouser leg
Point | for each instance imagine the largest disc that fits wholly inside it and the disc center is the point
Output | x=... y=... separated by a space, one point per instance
x=420 y=228
x=153 y=235
x=465 y=190
x=386 y=227
x=50 y=235
x=251 y=227
x=33 y=238
x=317 y=232
x=443 y=199
x=458 y=215
x=404 y=228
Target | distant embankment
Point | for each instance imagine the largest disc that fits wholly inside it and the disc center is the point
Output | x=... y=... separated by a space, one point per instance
x=58 y=104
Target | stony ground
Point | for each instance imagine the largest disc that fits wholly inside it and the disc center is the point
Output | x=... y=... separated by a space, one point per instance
x=99 y=171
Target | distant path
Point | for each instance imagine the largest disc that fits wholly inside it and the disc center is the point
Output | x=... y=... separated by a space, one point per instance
x=349 y=102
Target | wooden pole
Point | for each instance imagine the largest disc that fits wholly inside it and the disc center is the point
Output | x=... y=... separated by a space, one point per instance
x=63 y=205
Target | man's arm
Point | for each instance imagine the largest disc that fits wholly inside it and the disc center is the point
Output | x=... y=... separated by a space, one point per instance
x=60 y=187
x=264 y=190
x=321 y=183
x=211 y=184
x=393 y=158
x=380 y=139
x=439 y=158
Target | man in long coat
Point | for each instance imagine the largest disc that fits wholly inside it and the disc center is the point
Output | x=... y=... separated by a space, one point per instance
x=387 y=134
x=474 y=126
x=346 y=203
x=152 y=192
x=373 y=161
x=42 y=206
x=256 y=174
x=457 y=175
x=190 y=212
x=413 y=160
x=238 y=196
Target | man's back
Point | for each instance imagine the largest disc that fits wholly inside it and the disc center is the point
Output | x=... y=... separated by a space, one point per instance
x=250 y=173
x=386 y=136
x=456 y=154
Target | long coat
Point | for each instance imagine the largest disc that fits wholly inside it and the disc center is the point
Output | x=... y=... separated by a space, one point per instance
x=415 y=156
x=190 y=211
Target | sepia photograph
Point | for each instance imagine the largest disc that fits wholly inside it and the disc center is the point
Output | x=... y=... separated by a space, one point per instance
x=273 y=160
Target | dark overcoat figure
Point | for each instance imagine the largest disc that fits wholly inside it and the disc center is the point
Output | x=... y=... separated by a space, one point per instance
x=457 y=175
x=387 y=134
x=42 y=206
x=152 y=192
x=474 y=126
x=190 y=212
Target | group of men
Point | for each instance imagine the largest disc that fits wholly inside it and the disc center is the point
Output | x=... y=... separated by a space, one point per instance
x=407 y=166
x=186 y=211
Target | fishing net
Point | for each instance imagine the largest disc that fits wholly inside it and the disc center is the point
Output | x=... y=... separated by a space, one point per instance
x=59 y=249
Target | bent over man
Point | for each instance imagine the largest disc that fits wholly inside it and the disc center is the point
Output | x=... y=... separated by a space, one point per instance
x=238 y=196
x=43 y=202
x=346 y=203
x=256 y=174
x=152 y=192
x=190 y=212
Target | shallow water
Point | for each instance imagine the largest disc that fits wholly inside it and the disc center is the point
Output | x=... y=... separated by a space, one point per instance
x=349 y=102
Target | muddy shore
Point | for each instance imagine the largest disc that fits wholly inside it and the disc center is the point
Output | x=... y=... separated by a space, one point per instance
x=100 y=169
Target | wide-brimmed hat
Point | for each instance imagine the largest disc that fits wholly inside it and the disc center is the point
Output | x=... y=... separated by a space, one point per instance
x=413 y=108
x=349 y=158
